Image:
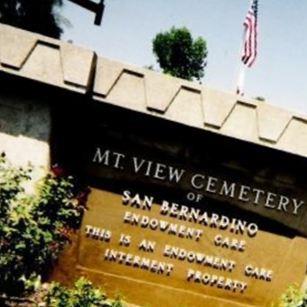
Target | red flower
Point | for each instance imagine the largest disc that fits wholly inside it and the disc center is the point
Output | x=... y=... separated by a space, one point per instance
x=83 y=196
x=57 y=170
x=53 y=246
x=65 y=232
x=4 y=242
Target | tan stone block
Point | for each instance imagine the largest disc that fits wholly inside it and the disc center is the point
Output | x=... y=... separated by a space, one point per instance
x=161 y=89
x=272 y=121
x=242 y=123
x=128 y=92
x=15 y=46
x=217 y=106
x=44 y=64
x=77 y=64
x=294 y=138
x=186 y=108
x=107 y=72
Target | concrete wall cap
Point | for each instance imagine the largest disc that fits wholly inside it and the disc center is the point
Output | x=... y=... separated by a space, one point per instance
x=21 y=52
x=70 y=67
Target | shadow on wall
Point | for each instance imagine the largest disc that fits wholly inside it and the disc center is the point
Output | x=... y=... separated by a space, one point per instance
x=25 y=121
x=23 y=111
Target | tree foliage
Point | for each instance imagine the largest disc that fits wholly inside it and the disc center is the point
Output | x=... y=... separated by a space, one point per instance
x=179 y=55
x=33 y=15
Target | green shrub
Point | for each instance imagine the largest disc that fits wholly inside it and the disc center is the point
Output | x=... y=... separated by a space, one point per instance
x=34 y=227
x=83 y=294
x=293 y=297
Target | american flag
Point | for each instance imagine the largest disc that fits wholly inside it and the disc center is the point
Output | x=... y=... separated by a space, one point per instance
x=249 y=53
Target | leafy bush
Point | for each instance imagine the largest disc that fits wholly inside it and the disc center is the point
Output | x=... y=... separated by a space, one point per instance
x=293 y=297
x=83 y=294
x=34 y=227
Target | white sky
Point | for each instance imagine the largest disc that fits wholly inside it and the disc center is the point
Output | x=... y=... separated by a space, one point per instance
x=279 y=74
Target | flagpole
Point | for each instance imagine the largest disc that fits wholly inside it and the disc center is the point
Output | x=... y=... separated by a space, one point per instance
x=241 y=80
x=242 y=69
x=243 y=64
